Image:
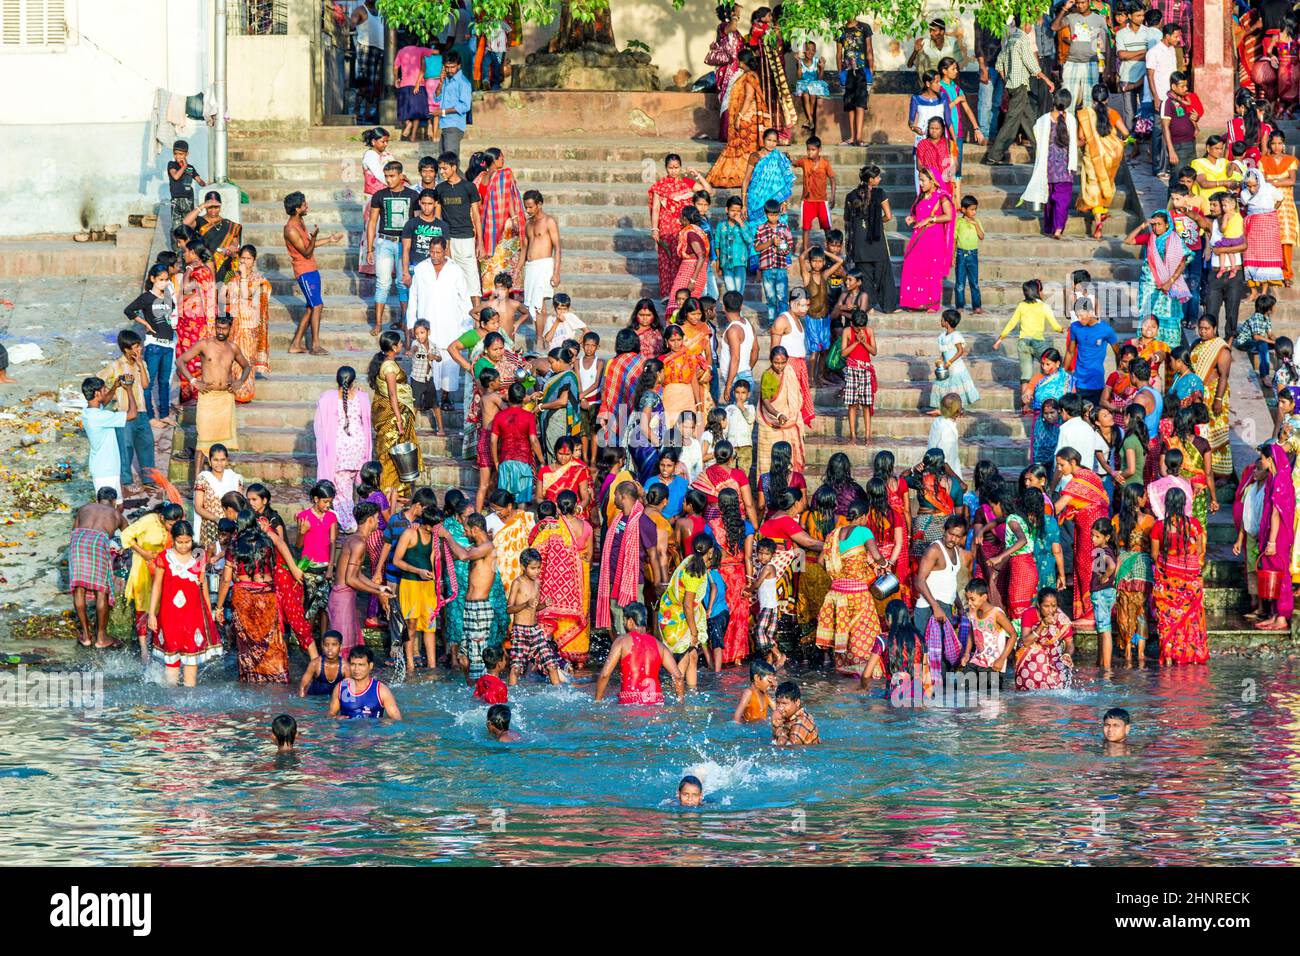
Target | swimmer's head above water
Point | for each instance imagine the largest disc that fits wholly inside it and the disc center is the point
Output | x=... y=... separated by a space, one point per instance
x=690 y=791
x=1114 y=725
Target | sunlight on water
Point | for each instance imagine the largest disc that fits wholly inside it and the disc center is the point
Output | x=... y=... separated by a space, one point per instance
x=191 y=776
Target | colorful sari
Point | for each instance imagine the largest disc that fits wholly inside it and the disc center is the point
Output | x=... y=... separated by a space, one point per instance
x=150 y=535
x=848 y=623
x=884 y=532
x=692 y=248
x=723 y=56
x=928 y=255
x=1098 y=162
x=735 y=576
x=219 y=235
x=673 y=626
x=503 y=227
x=565 y=584
x=1273 y=572
x=289 y=591
x=248 y=300
x=1045 y=541
x=455 y=581
x=570 y=477
x=1042 y=445
x=1163 y=254
x=260 y=649
x=681 y=373
x=562 y=422
x=510 y=541
x=814 y=582
x=1204 y=356
x=676 y=193
x=785 y=397
x=1288 y=223
x=1041 y=665
x=198 y=312
x=1021 y=582
x=712 y=481
x=1087 y=504
x=391 y=431
x=934 y=506
x=1193 y=471
x=1133 y=581
x=748 y=116
x=1187 y=389
x=644 y=452
x=772 y=79
x=1180 y=597
x=772 y=179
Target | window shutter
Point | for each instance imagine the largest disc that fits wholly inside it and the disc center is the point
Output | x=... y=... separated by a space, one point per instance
x=32 y=24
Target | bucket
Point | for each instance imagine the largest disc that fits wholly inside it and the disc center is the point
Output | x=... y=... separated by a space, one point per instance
x=406 y=459
x=885 y=586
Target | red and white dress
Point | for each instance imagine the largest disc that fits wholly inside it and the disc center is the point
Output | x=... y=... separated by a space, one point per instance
x=186 y=633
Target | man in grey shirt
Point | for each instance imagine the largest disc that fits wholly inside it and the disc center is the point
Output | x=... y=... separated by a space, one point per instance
x=1081 y=70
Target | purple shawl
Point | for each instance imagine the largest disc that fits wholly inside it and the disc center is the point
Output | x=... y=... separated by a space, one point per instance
x=1279 y=495
x=327 y=423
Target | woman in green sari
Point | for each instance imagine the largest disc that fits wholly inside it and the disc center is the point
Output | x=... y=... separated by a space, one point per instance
x=561 y=415
x=1048 y=556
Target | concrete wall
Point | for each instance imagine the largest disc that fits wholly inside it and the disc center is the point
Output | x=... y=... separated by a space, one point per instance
x=74 y=121
x=271 y=78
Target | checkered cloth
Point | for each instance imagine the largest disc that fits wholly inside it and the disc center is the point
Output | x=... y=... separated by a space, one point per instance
x=370 y=64
x=478 y=619
x=857 y=385
x=765 y=629
x=90 y=563
x=530 y=645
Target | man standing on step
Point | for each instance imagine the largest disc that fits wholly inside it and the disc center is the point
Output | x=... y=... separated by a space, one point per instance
x=542 y=261
x=455 y=102
x=392 y=208
x=369 y=37
x=440 y=297
x=464 y=223
x=214 y=416
x=1017 y=64
x=301 y=246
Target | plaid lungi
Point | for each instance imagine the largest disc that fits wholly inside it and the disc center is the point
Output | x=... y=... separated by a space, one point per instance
x=90 y=563
x=478 y=625
x=531 y=645
x=857 y=385
x=765 y=629
x=370 y=64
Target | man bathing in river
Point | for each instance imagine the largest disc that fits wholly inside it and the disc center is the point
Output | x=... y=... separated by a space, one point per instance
x=215 y=415
x=90 y=563
x=481 y=556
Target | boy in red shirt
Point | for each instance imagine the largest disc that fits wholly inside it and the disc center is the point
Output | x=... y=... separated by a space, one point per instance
x=515 y=446
x=818 y=190
x=490 y=688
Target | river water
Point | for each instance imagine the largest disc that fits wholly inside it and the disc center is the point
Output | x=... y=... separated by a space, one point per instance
x=159 y=776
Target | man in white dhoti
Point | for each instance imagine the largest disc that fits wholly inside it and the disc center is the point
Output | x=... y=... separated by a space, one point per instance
x=542 y=262
x=440 y=295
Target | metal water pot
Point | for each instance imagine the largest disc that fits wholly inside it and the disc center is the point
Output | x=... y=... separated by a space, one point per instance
x=941 y=373
x=885 y=586
x=406 y=459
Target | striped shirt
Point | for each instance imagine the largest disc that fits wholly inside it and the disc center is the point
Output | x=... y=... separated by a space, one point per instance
x=1018 y=62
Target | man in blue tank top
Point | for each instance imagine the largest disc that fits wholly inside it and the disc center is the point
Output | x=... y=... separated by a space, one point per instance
x=362 y=695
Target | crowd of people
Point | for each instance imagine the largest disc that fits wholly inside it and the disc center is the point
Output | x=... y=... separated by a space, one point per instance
x=653 y=511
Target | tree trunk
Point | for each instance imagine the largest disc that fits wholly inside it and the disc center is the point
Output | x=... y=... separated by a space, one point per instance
x=575 y=34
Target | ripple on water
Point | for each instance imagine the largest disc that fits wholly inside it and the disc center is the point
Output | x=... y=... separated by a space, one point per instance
x=190 y=776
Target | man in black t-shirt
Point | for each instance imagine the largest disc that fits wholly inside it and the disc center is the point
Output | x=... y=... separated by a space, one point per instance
x=856 y=63
x=393 y=206
x=458 y=199
x=419 y=230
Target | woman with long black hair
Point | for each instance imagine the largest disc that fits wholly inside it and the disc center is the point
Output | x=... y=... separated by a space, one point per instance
x=866 y=216
x=1178 y=556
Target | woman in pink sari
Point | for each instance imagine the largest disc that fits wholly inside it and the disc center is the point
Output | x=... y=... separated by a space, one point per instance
x=1276 y=534
x=344 y=441
x=928 y=255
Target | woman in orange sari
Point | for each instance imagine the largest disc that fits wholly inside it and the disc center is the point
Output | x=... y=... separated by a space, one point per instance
x=565 y=543
x=748 y=116
x=1085 y=500
x=682 y=392
x=198 y=310
x=699 y=343
x=247 y=297
x=567 y=474
x=735 y=537
x=1101 y=138
x=1178 y=555
x=1279 y=168
x=849 y=622
x=780 y=412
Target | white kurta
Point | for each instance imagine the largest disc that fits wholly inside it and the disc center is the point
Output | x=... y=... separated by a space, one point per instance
x=441 y=297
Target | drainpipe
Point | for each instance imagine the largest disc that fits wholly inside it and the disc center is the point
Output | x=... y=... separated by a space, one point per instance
x=387 y=95
x=217 y=141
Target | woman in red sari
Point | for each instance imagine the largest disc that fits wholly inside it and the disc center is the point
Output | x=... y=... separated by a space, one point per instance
x=668 y=197
x=1085 y=500
x=287 y=577
x=1178 y=553
x=198 y=310
x=721 y=476
x=1044 y=659
x=889 y=526
x=565 y=543
x=735 y=537
x=567 y=474
x=693 y=254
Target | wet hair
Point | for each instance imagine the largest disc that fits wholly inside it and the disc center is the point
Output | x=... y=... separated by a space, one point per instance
x=529 y=556
x=427 y=498
x=1117 y=713
x=636 y=613
x=368 y=479
x=697 y=500
x=788 y=690
x=954 y=522
x=363 y=511
x=493 y=654
x=498 y=717
x=823 y=515
x=882 y=466
x=1130 y=510
x=839 y=472
x=733 y=521
x=778 y=475
x=877 y=500
x=1100 y=99
x=106 y=495
x=1061 y=101
x=284 y=729
x=361 y=653
x=1177 y=524
x=933 y=461
x=454 y=502
x=690 y=781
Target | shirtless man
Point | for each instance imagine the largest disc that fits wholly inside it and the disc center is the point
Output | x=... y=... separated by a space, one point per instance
x=349 y=578
x=90 y=563
x=215 y=415
x=542 y=261
x=481 y=556
x=494 y=399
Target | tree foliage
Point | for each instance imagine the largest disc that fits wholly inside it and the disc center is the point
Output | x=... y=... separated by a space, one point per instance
x=896 y=18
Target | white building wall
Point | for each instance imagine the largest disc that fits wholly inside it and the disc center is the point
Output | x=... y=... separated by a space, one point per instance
x=75 y=121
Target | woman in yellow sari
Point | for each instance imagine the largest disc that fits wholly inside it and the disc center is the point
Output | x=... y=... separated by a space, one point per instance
x=683 y=615
x=682 y=391
x=1101 y=141
x=1212 y=361
x=565 y=543
x=147 y=537
x=848 y=623
x=699 y=344
x=511 y=539
x=1279 y=168
x=1215 y=171
x=247 y=297
x=780 y=412
x=820 y=521
x=748 y=116
x=392 y=411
